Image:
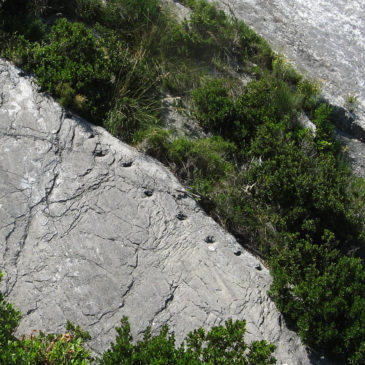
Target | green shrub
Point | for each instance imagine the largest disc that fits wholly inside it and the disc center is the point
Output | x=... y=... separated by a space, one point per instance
x=141 y=11
x=210 y=32
x=134 y=20
x=202 y=158
x=310 y=92
x=285 y=72
x=323 y=294
x=92 y=75
x=88 y=11
x=265 y=101
x=206 y=32
x=200 y=163
x=155 y=142
x=268 y=99
x=73 y=62
x=18 y=50
x=255 y=107
x=302 y=185
x=214 y=108
x=221 y=345
x=9 y=320
x=67 y=348
x=325 y=130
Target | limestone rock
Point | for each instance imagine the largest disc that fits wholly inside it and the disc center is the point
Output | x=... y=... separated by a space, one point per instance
x=82 y=240
x=178 y=121
x=305 y=122
x=180 y=11
x=354 y=151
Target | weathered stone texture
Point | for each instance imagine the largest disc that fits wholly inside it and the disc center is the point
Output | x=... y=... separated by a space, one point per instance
x=89 y=233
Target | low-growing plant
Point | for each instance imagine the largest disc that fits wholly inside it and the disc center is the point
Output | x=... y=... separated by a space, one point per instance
x=72 y=62
x=155 y=142
x=9 y=320
x=221 y=345
x=130 y=116
x=285 y=72
x=310 y=92
x=351 y=102
x=214 y=108
x=207 y=157
x=306 y=274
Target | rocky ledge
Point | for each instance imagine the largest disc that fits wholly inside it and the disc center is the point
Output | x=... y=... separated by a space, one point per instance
x=92 y=230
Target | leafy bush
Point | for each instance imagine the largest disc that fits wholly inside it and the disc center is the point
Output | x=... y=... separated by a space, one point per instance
x=73 y=62
x=9 y=320
x=155 y=142
x=134 y=20
x=94 y=76
x=202 y=162
x=310 y=92
x=214 y=108
x=293 y=188
x=67 y=348
x=281 y=70
x=265 y=101
x=323 y=294
x=205 y=158
x=325 y=130
x=88 y=11
x=222 y=345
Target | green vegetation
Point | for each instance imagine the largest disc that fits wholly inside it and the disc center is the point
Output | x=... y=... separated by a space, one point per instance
x=351 y=102
x=284 y=192
x=221 y=345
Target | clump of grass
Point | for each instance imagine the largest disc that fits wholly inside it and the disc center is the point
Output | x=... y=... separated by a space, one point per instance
x=351 y=102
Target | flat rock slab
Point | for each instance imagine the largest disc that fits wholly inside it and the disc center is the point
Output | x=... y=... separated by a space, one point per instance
x=91 y=230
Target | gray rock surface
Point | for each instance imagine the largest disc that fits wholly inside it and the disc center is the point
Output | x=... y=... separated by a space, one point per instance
x=180 y=11
x=89 y=232
x=354 y=151
x=177 y=119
